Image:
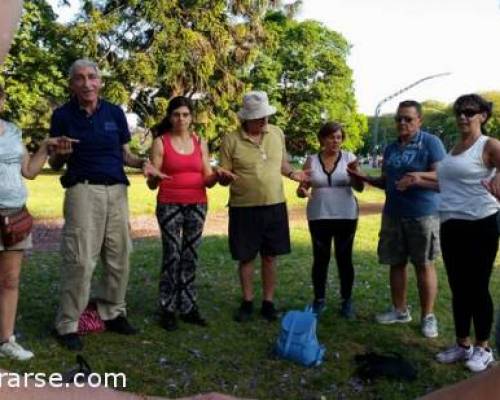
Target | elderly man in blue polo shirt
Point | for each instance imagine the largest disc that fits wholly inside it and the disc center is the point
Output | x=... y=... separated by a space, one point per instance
x=95 y=203
x=410 y=224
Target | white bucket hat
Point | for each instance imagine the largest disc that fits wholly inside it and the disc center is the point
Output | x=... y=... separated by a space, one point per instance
x=255 y=106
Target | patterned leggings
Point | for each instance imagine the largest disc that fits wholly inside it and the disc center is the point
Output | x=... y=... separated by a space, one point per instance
x=181 y=227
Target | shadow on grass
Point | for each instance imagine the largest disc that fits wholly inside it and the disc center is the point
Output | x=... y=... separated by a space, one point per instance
x=233 y=358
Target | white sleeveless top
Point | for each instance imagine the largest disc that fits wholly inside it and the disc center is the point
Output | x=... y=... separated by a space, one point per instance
x=331 y=194
x=462 y=194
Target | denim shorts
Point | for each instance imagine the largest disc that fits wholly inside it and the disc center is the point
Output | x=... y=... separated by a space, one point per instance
x=413 y=238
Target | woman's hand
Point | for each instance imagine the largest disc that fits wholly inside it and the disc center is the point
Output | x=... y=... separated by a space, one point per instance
x=225 y=177
x=61 y=145
x=493 y=185
x=302 y=176
x=408 y=180
x=151 y=172
x=303 y=192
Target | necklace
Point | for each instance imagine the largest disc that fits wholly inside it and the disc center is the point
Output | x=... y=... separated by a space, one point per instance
x=181 y=145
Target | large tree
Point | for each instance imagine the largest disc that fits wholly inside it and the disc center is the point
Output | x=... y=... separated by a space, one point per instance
x=32 y=73
x=303 y=68
x=154 y=50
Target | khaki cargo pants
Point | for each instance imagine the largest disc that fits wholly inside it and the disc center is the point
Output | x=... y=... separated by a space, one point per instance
x=95 y=225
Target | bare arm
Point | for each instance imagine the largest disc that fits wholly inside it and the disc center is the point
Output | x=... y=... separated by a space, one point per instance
x=303 y=188
x=357 y=183
x=491 y=157
x=426 y=180
x=289 y=172
x=208 y=174
x=156 y=158
x=33 y=164
x=131 y=160
x=10 y=12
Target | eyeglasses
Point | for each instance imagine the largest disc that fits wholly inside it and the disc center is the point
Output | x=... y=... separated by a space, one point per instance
x=467 y=112
x=401 y=118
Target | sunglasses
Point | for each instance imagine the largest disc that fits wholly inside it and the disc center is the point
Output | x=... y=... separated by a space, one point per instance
x=467 y=112
x=400 y=119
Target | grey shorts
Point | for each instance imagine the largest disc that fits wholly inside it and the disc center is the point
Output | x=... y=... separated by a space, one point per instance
x=403 y=238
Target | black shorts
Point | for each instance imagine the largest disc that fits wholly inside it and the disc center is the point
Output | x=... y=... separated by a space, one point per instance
x=259 y=229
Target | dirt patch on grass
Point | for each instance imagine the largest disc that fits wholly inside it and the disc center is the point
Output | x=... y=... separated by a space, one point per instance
x=47 y=232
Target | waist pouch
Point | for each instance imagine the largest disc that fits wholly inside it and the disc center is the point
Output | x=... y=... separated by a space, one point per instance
x=15 y=227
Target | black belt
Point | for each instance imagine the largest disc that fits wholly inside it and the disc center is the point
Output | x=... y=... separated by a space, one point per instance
x=69 y=182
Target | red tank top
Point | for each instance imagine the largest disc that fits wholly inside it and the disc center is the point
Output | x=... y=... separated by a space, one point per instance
x=187 y=185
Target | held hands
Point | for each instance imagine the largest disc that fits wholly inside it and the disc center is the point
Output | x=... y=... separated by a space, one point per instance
x=408 y=180
x=224 y=176
x=61 y=145
x=355 y=172
x=493 y=185
x=151 y=172
x=302 y=176
x=303 y=192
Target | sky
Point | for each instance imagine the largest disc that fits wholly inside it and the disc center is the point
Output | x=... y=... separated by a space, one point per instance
x=397 y=42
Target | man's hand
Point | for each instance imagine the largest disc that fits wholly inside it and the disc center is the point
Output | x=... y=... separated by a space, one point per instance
x=355 y=172
x=225 y=177
x=493 y=185
x=303 y=192
x=151 y=172
x=61 y=145
x=302 y=176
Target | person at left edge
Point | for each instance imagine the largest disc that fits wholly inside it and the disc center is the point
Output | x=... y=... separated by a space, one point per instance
x=96 y=223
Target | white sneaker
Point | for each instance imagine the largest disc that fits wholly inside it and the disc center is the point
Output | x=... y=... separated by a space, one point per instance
x=430 y=326
x=455 y=353
x=393 y=316
x=14 y=350
x=480 y=360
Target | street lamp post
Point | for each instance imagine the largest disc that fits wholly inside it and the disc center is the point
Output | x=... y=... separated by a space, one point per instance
x=390 y=97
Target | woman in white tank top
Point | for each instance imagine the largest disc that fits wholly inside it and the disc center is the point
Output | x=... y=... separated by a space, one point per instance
x=332 y=214
x=469 y=230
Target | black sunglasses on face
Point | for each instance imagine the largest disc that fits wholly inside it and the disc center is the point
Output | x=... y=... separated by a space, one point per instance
x=400 y=119
x=468 y=112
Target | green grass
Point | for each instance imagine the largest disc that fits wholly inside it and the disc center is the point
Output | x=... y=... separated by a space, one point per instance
x=232 y=358
x=46 y=196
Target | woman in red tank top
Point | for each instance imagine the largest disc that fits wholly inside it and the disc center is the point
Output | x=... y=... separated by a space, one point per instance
x=181 y=209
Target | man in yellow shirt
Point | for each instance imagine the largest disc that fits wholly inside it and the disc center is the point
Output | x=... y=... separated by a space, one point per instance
x=258 y=220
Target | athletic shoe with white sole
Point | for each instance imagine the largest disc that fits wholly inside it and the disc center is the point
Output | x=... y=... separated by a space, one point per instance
x=14 y=350
x=392 y=316
x=455 y=353
x=481 y=359
x=430 y=326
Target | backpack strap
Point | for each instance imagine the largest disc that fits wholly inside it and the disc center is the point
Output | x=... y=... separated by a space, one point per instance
x=289 y=338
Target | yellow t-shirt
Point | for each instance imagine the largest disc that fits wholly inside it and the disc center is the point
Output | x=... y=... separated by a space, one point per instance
x=258 y=167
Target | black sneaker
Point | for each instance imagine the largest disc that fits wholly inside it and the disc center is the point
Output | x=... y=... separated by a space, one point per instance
x=347 y=309
x=244 y=313
x=168 y=321
x=71 y=341
x=120 y=325
x=194 y=317
x=268 y=311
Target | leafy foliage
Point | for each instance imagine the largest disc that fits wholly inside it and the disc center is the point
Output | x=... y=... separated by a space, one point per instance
x=303 y=68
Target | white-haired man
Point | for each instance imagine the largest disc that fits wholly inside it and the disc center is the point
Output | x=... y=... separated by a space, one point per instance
x=96 y=223
x=258 y=220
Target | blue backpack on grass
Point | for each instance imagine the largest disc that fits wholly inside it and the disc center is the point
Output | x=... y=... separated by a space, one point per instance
x=298 y=341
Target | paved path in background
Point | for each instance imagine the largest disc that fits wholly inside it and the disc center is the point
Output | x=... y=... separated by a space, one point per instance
x=47 y=232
